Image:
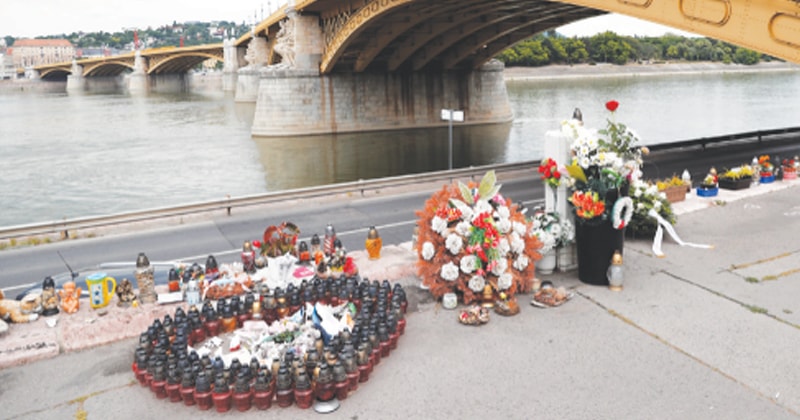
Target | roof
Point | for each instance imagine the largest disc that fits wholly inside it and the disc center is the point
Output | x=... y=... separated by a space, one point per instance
x=42 y=43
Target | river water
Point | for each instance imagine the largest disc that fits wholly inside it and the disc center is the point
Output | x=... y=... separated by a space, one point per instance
x=67 y=156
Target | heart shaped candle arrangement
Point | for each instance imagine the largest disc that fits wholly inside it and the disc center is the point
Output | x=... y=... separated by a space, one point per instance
x=308 y=346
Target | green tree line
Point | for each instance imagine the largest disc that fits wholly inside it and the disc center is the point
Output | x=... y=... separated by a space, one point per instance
x=193 y=33
x=608 y=47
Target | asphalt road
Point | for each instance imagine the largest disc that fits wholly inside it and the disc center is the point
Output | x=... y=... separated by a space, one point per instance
x=392 y=214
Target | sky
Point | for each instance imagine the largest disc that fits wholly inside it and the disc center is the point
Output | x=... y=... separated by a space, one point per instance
x=31 y=18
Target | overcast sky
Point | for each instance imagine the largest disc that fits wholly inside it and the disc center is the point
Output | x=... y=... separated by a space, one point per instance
x=31 y=18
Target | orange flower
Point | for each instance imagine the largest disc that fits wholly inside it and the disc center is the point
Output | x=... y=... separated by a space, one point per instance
x=587 y=205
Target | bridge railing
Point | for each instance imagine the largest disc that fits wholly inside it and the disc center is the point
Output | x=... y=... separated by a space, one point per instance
x=227 y=205
x=703 y=142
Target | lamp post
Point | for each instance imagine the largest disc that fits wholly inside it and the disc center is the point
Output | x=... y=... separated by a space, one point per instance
x=451 y=115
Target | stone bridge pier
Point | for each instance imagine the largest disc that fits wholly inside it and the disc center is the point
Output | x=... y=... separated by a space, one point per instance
x=293 y=98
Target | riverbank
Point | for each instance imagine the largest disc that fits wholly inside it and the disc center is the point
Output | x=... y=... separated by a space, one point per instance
x=639 y=70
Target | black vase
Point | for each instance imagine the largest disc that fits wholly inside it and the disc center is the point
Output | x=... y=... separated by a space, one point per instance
x=596 y=245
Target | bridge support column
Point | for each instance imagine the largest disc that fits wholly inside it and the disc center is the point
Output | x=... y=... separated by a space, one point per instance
x=75 y=80
x=137 y=80
x=296 y=102
x=233 y=56
x=249 y=76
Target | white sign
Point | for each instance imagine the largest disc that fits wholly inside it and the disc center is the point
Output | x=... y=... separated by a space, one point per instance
x=452 y=115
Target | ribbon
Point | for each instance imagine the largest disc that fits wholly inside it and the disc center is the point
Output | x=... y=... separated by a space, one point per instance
x=671 y=230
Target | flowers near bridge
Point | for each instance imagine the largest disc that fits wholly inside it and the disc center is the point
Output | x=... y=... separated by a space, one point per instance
x=604 y=163
x=473 y=241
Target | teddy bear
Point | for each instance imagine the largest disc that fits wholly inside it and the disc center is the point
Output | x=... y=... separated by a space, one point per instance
x=19 y=311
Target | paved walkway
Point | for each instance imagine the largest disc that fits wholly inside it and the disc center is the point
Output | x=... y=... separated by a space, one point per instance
x=700 y=333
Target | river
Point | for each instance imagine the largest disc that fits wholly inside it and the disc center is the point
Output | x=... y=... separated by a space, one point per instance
x=68 y=156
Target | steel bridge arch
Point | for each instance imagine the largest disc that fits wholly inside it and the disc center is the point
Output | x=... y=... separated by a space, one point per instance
x=179 y=63
x=108 y=68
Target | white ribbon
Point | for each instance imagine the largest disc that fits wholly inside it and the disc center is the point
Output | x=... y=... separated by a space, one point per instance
x=671 y=230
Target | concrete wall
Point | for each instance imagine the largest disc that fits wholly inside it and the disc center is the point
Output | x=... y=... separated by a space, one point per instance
x=300 y=103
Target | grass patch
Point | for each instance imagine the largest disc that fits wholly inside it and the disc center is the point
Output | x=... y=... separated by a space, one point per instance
x=756 y=309
x=768 y=278
x=751 y=279
x=787 y=311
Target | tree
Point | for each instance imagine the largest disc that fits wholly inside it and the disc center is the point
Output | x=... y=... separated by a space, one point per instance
x=745 y=56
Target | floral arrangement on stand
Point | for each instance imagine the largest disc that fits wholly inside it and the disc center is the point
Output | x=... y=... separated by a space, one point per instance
x=551 y=175
x=646 y=197
x=474 y=242
x=604 y=164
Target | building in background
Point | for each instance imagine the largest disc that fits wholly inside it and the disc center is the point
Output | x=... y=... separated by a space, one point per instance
x=33 y=52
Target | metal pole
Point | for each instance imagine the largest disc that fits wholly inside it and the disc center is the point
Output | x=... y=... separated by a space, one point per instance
x=450 y=125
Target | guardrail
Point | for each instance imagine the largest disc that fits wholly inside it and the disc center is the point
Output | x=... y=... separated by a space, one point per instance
x=702 y=142
x=227 y=205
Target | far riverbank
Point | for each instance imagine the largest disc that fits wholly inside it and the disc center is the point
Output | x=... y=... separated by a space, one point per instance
x=636 y=70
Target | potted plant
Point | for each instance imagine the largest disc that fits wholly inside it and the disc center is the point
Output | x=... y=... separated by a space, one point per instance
x=790 y=168
x=737 y=178
x=546 y=227
x=603 y=164
x=766 y=170
x=709 y=187
x=646 y=197
x=673 y=188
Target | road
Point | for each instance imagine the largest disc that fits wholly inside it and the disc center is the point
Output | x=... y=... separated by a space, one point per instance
x=392 y=213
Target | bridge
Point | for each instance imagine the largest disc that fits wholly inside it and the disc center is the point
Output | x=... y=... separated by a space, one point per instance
x=326 y=66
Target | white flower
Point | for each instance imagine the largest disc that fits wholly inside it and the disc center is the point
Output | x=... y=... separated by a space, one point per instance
x=464 y=228
x=500 y=267
x=503 y=212
x=503 y=247
x=476 y=284
x=482 y=206
x=517 y=243
x=521 y=262
x=449 y=272
x=639 y=206
x=427 y=251
x=468 y=263
x=504 y=281
x=503 y=226
x=662 y=195
x=439 y=225
x=454 y=243
x=637 y=193
x=657 y=205
x=584 y=162
x=519 y=228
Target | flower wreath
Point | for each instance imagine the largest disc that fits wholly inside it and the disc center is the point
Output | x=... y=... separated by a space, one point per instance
x=623 y=208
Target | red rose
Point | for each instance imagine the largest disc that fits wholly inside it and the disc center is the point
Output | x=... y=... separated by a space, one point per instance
x=257 y=244
x=612 y=105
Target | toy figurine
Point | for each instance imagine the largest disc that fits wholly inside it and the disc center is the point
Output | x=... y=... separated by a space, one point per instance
x=70 y=297
x=125 y=294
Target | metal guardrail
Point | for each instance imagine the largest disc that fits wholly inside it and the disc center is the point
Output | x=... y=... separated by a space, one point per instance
x=702 y=142
x=228 y=204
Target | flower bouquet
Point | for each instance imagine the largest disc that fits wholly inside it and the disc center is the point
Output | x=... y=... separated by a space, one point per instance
x=474 y=242
x=604 y=162
x=766 y=170
x=648 y=197
x=550 y=173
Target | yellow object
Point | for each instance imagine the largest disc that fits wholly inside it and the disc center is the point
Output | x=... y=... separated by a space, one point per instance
x=575 y=171
x=101 y=289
